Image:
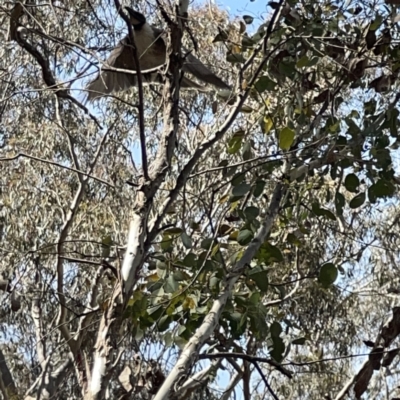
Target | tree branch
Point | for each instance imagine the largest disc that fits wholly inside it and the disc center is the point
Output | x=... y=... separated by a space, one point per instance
x=135 y=254
x=191 y=350
x=249 y=358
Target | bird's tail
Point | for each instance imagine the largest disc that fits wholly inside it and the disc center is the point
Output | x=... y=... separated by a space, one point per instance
x=200 y=71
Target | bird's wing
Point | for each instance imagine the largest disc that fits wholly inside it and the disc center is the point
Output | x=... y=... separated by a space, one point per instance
x=194 y=66
x=151 y=52
x=113 y=81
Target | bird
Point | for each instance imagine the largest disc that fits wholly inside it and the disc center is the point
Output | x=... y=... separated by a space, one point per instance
x=152 y=53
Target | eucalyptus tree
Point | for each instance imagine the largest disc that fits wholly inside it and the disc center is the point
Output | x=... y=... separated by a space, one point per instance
x=164 y=243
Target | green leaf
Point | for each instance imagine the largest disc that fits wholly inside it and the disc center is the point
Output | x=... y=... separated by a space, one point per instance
x=313 y=61
x=139 y=307
x=248 y=19
x=155 y=312
x=247 y=153
x=351 y=183
x=376 y=24
x=159 y=256
x=180 y=276
x=333 y=125
x=243 y=322
x=163 y=323
x=261 y=280
x=393 y=122
x=299 y=341
x=173 y=231
x=221 y=37
x=383 y=157
x=255 y=298
x=329 y=214
x=215 y=250
x=328 y=274
x=322 y=212
x=316 y=209
x=238 y=178
x=206 y=243
x=186 y=240
x=214 y=283
x=266 y=124
x=258 y=325
x=168 y=339
x=291 y=238
x=303 y=62
x=286 y=138
x=161 y=266
x=269 y=253
x=234 y=316
x=207 y=266
x=287 y=68
x=241 y=190
x=224 y=229
x=235 y=143
x=278 y=349
x=166 y=242
x=318 y=31
x=258 y=188
x=180 y=342
x=381 y=189
x=339 y=203
x=106 y=244
x=171 y=285
x=275 y=329
x=245 y=237
x=264 y=83
x=139 y=334
x=194 y=225
x=357 y=201
x=235 y=58
x=382 y=142
x=281 y=291
x=274 y=253
x=189 y=260
x=251 y=213
x=248 y=41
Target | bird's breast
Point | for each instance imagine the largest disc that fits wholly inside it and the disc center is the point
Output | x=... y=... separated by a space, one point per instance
x=150 y=48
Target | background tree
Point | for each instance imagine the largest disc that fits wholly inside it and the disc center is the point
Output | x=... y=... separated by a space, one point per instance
x=199 y=245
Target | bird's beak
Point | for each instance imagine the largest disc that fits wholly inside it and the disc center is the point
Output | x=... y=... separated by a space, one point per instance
x=135 y=17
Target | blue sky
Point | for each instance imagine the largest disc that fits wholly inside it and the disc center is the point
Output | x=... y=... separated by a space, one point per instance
x=257 y=9
x=255 y=6
x=236 y=7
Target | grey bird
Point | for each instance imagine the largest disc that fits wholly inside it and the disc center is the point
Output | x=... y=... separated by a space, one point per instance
x=151 y=51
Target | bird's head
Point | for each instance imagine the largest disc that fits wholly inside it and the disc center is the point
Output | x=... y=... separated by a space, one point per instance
x=137 y=19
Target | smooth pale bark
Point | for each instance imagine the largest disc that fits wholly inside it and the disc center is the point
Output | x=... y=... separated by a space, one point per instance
x=192 y=349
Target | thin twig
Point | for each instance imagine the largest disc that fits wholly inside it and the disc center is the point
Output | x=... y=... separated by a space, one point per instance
x=49 y=78
x=140 y=90
x=19 y=155
x=249 y=358
x=265 y=380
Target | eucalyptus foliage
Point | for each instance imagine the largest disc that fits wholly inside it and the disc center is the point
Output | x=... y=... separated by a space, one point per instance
x=241 y=243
